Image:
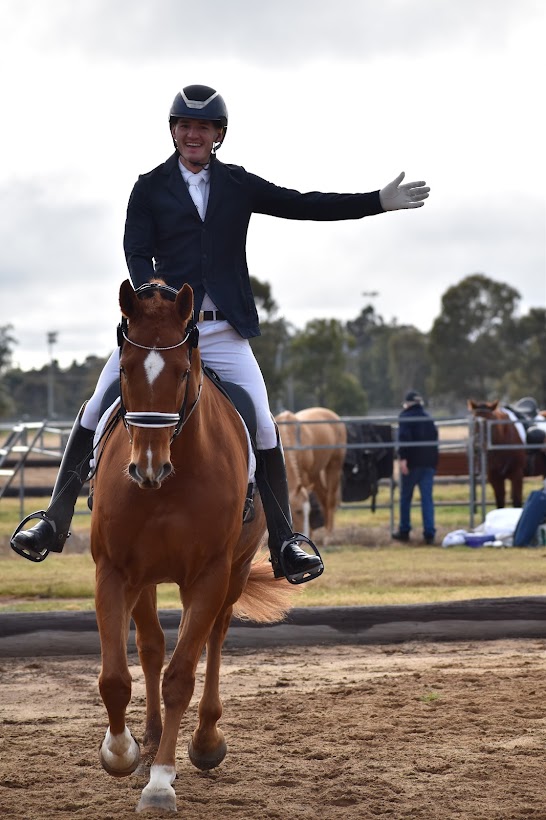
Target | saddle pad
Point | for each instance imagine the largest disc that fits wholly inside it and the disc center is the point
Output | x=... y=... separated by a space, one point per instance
x=100 y=429
x=517 y=423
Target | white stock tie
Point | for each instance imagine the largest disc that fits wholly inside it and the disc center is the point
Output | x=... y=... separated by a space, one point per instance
x=196 y=192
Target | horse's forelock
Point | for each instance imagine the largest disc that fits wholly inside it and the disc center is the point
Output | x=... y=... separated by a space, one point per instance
x=484 y=407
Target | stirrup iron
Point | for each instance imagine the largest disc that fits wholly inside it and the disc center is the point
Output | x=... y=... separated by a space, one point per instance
x=30 y=555
x=307 y=575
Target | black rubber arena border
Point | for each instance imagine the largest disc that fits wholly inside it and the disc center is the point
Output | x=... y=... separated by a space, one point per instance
x=25 y=634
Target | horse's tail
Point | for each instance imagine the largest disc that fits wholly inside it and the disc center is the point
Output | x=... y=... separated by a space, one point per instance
x=264 y=599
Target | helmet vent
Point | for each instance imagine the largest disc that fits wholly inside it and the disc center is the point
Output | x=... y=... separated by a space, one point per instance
x=197 y=104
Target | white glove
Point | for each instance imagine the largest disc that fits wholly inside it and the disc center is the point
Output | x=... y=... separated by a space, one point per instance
x=395 y=196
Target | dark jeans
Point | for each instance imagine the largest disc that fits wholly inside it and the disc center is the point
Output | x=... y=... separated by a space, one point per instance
x=423 y=477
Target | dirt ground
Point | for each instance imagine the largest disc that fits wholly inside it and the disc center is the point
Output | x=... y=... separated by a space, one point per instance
x=415 y=730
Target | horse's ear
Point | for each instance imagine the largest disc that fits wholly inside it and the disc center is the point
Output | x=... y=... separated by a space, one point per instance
x=471 y=404
x=184 y=303
x=494 y=404
x=127 y=299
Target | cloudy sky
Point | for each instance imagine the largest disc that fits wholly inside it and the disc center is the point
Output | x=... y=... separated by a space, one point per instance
x=322 y=96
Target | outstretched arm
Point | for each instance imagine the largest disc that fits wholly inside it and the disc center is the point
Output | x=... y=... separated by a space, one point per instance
x=395 y=196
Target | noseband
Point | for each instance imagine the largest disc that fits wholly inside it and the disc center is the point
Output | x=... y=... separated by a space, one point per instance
x=153 y=419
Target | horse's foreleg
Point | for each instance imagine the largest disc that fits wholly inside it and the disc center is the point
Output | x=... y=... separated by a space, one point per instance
x=150 y=642
x=119 y=753
x=207 y=747
x=179 y=683
x=517 y=490
x=498 y=489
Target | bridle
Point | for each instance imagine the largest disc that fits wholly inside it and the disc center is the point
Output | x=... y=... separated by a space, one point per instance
x=152 y=419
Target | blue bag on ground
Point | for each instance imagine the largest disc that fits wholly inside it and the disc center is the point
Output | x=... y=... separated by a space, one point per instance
x=533 y=515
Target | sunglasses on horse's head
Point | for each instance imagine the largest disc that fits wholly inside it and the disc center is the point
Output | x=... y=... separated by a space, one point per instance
x=148 y=290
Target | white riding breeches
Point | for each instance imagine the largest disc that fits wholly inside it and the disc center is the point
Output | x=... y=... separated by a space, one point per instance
x=225 y=352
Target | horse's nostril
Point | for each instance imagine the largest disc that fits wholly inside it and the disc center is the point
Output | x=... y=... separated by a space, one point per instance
x=134 y=473
x=167 y=469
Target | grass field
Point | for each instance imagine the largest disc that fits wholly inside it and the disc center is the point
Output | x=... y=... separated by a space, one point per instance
x=364 y=567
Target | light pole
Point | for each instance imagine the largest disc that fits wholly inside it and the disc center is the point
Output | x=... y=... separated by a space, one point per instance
x=51 y=340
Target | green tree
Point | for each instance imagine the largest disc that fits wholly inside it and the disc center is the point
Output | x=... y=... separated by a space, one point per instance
x=319 y=367
x=408 y=360
x=7 y=405
x=369 y=356
x=526 y=375
x=468 y=347
x=29 y=389
x=271 y=347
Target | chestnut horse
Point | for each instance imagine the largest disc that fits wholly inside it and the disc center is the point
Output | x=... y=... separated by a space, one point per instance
x=317 y=470
x=168 y=507
x=502 y=464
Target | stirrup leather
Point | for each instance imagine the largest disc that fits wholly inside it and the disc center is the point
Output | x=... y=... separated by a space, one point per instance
x=26 y=552
x=306 y=575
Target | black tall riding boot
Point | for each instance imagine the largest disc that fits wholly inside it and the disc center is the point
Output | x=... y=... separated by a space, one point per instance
x=52 y=530
x=288 y=559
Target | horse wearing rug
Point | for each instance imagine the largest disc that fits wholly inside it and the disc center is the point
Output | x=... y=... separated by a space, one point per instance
x=168 y=507
x=502 y=464
x=317 y=470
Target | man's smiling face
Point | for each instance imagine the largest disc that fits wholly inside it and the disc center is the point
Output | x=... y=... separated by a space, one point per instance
x=194 y=140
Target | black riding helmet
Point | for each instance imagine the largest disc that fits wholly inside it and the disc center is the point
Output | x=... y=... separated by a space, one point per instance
x=200 y=102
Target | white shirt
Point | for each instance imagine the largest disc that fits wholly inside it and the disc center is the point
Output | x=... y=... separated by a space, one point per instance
x=203 y=177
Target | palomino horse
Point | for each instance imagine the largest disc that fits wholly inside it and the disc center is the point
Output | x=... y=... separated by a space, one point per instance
x=502 y=464
x=168 y=507
x=317 y=470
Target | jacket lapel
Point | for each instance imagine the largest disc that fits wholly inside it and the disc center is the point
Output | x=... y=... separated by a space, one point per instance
x=218 y=179
x=179 y=189
x=177 y=186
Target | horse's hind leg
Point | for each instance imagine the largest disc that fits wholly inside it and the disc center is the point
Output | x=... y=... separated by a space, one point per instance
x=207 y=747
x=119 y=753
x=150 y=642
x=333 y=489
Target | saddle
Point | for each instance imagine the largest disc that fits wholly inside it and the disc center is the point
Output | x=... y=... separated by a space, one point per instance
x=526 y=411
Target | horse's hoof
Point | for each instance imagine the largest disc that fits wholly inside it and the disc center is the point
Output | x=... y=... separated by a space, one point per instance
x=161 y=799
x=159 y=794
x=208 y=760
x=120 y=762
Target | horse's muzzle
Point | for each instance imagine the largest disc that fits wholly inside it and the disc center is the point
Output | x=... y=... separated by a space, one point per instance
x=150 y=479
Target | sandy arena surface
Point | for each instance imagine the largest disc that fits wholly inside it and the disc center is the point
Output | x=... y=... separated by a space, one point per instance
x=416 y=730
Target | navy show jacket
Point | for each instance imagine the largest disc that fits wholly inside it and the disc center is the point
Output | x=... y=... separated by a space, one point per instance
x=165 y=236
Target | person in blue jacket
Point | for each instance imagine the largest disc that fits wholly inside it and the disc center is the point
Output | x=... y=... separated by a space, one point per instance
x=187 y=221
x=417 y=460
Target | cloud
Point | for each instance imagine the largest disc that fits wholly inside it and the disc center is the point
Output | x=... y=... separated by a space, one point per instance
x=57 y=272
x=321 y=96
x=409 y=258
x=269 y=33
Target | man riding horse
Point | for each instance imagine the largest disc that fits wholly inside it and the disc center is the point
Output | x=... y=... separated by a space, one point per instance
x=187 y=222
